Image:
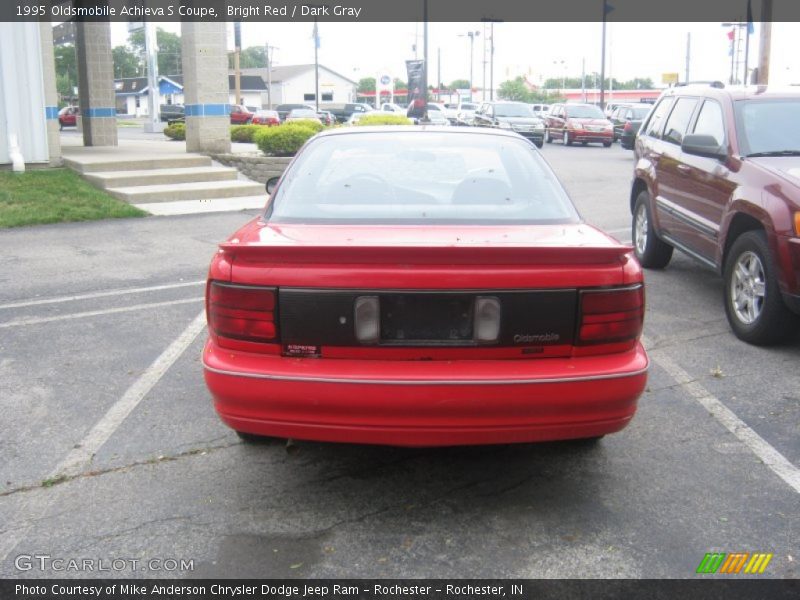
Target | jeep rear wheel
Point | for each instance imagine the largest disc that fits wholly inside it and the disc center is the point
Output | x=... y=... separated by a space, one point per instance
x=756 y=312
x=651 y=251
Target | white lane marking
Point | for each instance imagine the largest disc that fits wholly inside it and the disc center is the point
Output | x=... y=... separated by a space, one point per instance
x=80 y=456
x=34 y=506
x=758 y=445
x=95 y=313
x=90 y=295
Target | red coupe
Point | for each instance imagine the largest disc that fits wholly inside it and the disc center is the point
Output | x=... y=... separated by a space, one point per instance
x=423 y=286
x=68 y=117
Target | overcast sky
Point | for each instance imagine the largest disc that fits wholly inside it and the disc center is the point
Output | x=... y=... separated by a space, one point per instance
x=536 y=50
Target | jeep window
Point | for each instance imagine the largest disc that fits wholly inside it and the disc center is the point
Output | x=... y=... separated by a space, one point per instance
x=678 y=120
x=710 y=121
x=769 y=126
x=653 y=127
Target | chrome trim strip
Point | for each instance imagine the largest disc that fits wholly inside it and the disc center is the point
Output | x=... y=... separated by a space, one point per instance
x=692 y=253
x=415 y=382
x=691 y=219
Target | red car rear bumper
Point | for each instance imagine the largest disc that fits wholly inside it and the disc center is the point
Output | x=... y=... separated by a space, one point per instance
x=425 y=403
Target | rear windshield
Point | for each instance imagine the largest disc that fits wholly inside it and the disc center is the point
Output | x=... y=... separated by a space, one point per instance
x=768 y=125
x=585 y=112
x=640 y=113
x=420 y=177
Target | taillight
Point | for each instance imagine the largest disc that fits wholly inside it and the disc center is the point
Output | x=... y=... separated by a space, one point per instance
x=628 y=126
x=242 y=312
x=611 y=315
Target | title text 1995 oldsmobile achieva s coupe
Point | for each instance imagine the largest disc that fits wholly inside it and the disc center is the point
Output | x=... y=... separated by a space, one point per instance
x=421 y=286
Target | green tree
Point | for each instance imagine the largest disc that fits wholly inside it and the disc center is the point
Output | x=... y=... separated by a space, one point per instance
x=514 y=89
x=254 y=57
x=169 y=50
x=126 y=63
x=66 y=67
x=366 y=84
x=459 y=84
x=399 y=84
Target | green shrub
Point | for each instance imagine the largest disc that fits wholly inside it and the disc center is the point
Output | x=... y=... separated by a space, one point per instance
x=244 y=133
x=384 y=120
x=176 y=131
x=283 y=140
x=313 y=124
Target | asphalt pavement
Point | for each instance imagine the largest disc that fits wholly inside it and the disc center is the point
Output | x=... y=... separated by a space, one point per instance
x=100 y=377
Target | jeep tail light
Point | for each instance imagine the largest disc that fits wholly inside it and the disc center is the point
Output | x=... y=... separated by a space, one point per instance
x=612 y=315
x=628 y=126
x=797 y=223
x=242 y=312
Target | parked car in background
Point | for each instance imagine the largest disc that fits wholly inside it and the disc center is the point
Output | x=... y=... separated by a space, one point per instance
x=342 y=112
x=516 y=116
x=717 y=175
x=68 y=117
x=431 y=286
x=540 y=110
x=584 y=123
x=391 y=107
x=465 y=113
x=326 y=117
x=302 y=114
x=171 y=112
x=626 y=121
x=266 y=117
x=285 y=109
x=436 y=115
x=612 y=106
x=240 y=115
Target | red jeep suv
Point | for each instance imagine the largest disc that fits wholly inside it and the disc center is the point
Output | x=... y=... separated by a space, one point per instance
x=717 y=175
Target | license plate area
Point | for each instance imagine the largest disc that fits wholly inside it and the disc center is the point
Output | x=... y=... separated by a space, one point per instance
x=421 y=319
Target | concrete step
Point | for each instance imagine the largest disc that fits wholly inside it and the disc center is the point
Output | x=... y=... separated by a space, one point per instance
x=206 y=205
x=121 y=179
x=135 y=162
x=202 y=190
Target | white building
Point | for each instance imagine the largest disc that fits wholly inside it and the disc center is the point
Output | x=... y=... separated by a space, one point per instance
x=295 y=84
x=131 y=92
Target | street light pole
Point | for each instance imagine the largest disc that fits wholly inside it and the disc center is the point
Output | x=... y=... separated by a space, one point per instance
x=471 y=35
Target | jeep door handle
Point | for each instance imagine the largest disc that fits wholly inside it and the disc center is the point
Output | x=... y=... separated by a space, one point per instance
x=684 y=168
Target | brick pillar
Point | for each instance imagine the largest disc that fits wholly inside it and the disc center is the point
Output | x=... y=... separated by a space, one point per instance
x=98 y=116
x=205 y=86
x=50 y=93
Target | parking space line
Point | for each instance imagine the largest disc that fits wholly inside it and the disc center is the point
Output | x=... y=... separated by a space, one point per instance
x=81 y=456
x=35 y=507
x=95 y=313
x=776 y=461
x=121 y=292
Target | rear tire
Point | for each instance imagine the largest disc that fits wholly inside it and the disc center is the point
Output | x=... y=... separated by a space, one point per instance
x=538 y=144
x=651 y=251
x=607 y=144
x=547 y=137
x=567 y=141
x=753 y=303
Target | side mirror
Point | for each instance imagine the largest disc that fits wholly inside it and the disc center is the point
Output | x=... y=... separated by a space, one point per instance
x=703 y=145
x=271 y=183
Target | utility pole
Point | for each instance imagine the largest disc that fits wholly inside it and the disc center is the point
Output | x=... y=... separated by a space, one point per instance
x=471 y=35
x=316 y=64
x=688 y=54
x=153 y=98
x=425 y=60
x=491 y=56
x=765 y=42
x=439 y=74
x=483 y=79
x=268 y=52
x=583 y=80
x=603 y=60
